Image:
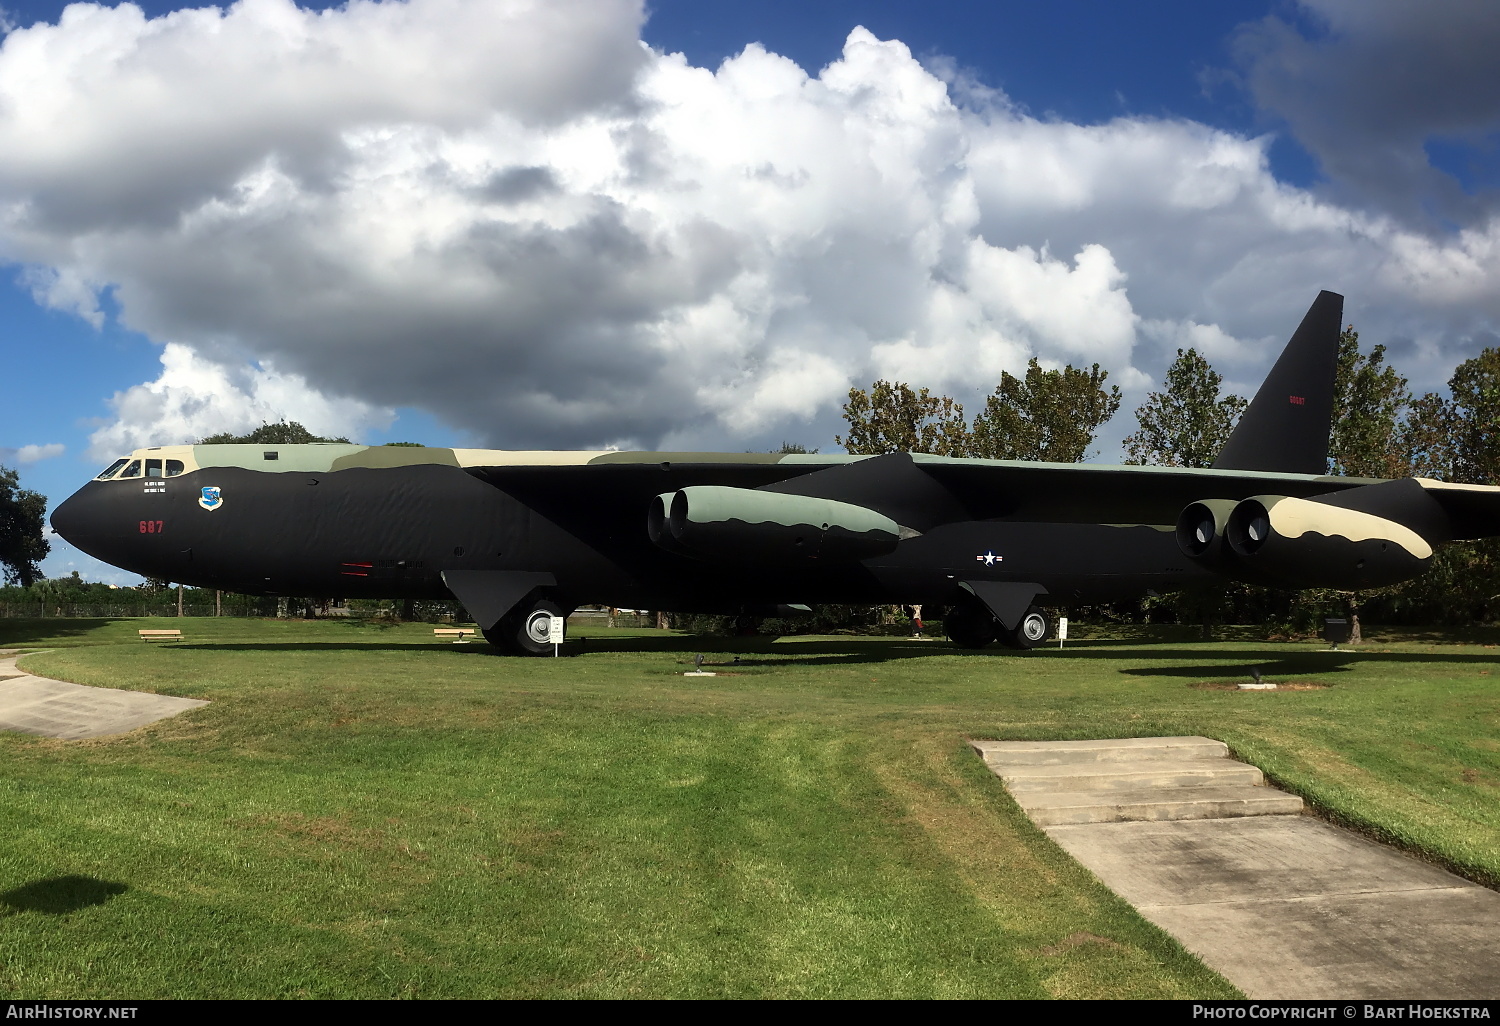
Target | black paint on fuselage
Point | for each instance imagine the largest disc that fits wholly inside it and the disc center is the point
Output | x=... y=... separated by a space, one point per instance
x=390 y=533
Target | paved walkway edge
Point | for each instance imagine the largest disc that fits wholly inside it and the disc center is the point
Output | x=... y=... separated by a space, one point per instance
x=54 y=708
x=1283 y=906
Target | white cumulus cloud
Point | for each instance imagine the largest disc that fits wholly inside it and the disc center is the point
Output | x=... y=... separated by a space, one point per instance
x=194 y=397
x=31 y=453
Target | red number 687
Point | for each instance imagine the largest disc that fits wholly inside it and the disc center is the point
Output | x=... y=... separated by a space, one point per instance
x=151 y=526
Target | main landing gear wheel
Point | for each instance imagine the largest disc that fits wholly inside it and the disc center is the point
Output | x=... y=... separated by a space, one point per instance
x=1030 y=632
x=971 y=625
x=525 y=629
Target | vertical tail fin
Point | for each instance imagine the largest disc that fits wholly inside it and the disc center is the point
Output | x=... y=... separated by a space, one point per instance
x=1286 y=428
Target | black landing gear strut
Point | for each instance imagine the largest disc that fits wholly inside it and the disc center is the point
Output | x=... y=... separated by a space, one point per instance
x=524 y=630
x=972 y=625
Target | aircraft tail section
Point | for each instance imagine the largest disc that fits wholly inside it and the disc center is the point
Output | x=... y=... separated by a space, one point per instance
x=1285 y=430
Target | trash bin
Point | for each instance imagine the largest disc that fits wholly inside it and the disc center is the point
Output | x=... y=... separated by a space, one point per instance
x=1336 y=632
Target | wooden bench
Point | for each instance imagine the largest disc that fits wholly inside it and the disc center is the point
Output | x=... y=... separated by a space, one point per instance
x=161 y=635
x=460 y=635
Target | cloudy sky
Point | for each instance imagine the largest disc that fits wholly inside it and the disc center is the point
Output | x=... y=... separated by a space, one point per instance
x=589 y=223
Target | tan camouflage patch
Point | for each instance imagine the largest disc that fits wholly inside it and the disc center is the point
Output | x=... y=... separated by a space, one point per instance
x=1292 y=518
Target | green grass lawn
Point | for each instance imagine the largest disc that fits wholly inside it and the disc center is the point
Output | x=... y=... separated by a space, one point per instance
x=362 y=812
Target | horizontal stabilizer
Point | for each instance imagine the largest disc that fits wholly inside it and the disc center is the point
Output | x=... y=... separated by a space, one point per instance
x=1285 y=430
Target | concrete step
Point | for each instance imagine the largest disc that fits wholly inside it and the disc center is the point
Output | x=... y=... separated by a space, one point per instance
x=1113 y=776
x=1053 y=808
x=1132 y=749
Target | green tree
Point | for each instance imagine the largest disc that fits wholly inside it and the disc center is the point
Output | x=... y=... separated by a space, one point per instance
x=793 y=449
x=410 y=445
x=1188 y=421
x=1369 y=398
x=1455 y=439
x=891 y=417
x=1474 y=423
x=1050 y=415
x=1452 y=440
x=22 y=545
x=1460 y=588
x=283 y=432
x=1424 y=440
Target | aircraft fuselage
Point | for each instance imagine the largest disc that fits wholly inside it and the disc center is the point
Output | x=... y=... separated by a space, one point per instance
x=391 y=532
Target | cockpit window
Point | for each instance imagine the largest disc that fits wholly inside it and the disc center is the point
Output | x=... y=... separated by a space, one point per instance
x=109 y=470
x=134 y=470
x=174 y=467
x=153 y=468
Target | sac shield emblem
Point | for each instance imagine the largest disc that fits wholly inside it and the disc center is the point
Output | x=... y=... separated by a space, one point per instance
x=210 y=497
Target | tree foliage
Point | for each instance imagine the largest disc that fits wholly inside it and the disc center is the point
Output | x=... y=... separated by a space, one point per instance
x=22 y=545
x=1369 y=399
x=1425 y=439
x=283 y=432
x=1050 y=415
x=1188 y=421
x=1458 y=438
x=1474 y=419
x=891 y=417
x=1455 y=439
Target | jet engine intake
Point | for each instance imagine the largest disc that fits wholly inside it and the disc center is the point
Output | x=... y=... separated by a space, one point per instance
x=743 y=525
x=1200 y=529
x=1300 y=543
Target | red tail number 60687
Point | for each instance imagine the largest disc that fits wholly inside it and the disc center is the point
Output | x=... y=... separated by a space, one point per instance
x=151 y=526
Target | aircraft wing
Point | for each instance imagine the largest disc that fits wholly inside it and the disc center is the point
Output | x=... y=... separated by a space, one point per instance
x=915 y=490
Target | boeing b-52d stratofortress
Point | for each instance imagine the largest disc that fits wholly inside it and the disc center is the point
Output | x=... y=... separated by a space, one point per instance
x=519 y=537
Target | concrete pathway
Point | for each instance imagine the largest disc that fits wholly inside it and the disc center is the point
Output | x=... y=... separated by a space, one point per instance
x=54 y=708
x=1134 y=778
x=1282 y=905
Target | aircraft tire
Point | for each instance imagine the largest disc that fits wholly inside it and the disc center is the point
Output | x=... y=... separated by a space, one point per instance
x=523 y=631
x=971 y=626
x=1031 y=631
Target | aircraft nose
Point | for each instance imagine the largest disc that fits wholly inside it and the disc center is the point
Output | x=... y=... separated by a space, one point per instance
x=79 y=520
x=126 y=527
x=67 y=519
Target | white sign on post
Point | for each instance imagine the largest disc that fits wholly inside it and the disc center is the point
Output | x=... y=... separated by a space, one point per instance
x=555 y=633
x=1062 y=630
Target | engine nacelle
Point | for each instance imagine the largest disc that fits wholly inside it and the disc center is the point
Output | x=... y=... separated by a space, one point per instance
x=742 y=525
x=1300 y=543
x=1200 y=530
